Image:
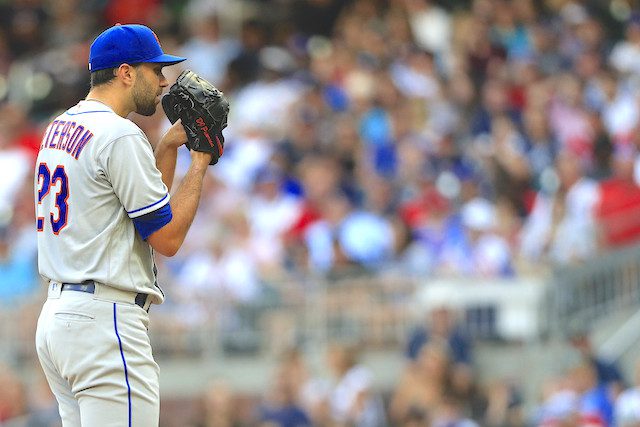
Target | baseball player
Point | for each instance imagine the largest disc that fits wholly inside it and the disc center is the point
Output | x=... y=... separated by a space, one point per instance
x=102 y=209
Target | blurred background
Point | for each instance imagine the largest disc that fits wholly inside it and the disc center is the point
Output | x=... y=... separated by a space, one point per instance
x=427 y=214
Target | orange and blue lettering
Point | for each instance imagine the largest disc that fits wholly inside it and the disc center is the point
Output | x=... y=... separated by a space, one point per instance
x=64 y=143
x=54 y=125
x=73 y=138
x=56 y=133
x=45 y=136
x=63 y=133
x=81 y=143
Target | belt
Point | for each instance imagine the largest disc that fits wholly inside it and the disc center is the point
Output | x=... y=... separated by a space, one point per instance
x=90 y=287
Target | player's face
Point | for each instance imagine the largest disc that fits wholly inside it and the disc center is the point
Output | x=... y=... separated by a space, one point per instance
x=148 y=87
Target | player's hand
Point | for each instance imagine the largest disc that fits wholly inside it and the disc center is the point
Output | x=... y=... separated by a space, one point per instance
x=175 y=136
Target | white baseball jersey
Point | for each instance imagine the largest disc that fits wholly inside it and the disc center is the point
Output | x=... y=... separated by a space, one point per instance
x=96 y=172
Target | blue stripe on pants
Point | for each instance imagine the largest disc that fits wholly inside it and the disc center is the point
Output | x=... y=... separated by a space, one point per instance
x=124 y=362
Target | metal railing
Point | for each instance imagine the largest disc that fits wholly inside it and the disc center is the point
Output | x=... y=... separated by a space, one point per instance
x=373 y=312
x=376 y=312
x=580 y=296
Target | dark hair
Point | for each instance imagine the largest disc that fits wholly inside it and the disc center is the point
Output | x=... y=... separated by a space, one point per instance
x=101 y=77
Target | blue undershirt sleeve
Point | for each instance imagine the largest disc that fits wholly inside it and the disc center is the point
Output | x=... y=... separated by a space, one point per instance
x=149 y=223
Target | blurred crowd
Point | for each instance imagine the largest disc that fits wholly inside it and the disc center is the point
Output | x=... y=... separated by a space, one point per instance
x=470 y=138
x=426 y=138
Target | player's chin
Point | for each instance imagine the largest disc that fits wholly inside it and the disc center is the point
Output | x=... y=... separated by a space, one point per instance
x=147 y=110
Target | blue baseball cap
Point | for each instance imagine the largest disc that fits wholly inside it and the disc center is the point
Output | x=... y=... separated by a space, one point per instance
x=130 y=44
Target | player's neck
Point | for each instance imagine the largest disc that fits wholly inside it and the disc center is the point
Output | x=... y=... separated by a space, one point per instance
x=109 y=99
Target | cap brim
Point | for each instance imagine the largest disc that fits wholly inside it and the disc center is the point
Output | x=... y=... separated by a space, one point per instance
x=166 y=59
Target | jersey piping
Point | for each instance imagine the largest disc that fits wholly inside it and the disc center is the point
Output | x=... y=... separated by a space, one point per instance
x=87 y=112
x=147 y=207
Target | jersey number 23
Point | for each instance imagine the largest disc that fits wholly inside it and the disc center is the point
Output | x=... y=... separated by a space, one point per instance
x=58 y=207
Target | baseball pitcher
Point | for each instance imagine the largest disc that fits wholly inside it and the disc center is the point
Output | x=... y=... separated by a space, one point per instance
x=102 y=209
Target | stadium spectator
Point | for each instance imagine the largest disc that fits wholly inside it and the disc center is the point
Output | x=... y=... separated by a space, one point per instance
x=441 y=324
x=595 y=402
x=433 y=226
x=625 y=56
x=560 y=209
x=207 y=52
x=218 y=407
x=608 y=373
x=480 y=252
x=541 y=145
x=627 y=405
x=280 y=408
x=423 y=385
x=282 y=405
x=351 y=398
x=619 y=198
x=504 y=406
x=560 y=405
x=450 y=413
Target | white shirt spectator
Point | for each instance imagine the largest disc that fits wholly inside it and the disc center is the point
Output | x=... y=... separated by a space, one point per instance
x=414 y=83
x=264 y=105
x=574 y=236
x=319 y=241
x=621 y=116
x=431 y=27
x=231 y=276
x=627 y=408
x=366 y=238
x=491 y=256
x=242 y=158
x=357 y=380
x=572 y=128
x=488 y=254
x=625 y=57
x=270 y=218
x=464 y=422
x=558 y=408
x=15 y=164
x=210 y=58
x=240 y=275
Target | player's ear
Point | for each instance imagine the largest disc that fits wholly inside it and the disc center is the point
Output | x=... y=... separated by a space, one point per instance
x=126 y=73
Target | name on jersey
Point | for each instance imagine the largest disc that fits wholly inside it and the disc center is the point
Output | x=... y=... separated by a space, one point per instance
x=66 y=136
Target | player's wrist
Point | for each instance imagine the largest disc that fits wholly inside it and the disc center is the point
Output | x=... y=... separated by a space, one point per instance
x=200 y=159
x=172 y=142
